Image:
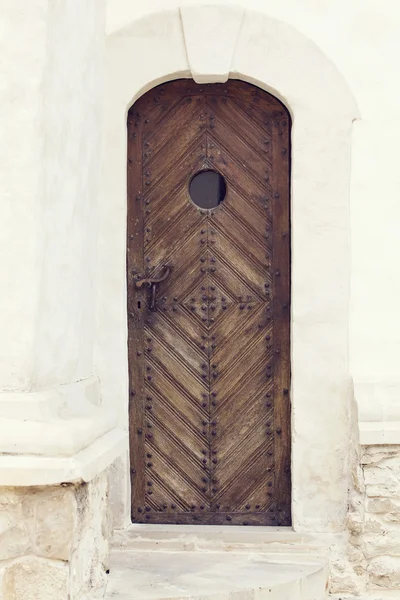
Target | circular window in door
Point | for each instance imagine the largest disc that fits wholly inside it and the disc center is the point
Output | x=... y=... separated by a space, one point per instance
x=207 y=189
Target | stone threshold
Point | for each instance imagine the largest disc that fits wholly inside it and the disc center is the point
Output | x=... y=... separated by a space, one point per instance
x=223 y=538
x=374 y=595
x=150 y=562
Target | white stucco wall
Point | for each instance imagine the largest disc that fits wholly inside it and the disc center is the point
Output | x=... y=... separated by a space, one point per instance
x=71 y=132
x=21 y=150
x=51 y=73
x=52 y=67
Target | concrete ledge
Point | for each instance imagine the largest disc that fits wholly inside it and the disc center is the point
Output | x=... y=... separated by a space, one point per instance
x=378 y=400
x=375 y=595
x=377 y=433
x=218 y=563
x=57 y=435
x=59 y=421
x=276 y=541
x=29 y=470
x=215 y=576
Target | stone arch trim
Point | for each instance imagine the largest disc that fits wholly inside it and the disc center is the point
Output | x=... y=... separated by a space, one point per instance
x=281 y=60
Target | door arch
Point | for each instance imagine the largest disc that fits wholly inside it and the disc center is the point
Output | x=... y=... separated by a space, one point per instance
x=209 y=344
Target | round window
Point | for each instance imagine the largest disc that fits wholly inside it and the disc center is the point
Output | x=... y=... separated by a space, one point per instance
x=207 y=189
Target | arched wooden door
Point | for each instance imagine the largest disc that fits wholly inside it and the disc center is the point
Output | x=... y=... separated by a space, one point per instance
x=208 y=267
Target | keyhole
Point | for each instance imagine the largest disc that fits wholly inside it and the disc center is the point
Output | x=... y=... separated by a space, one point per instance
x=139 y=304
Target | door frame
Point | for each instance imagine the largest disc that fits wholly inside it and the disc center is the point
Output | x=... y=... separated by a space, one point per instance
x=322 y=110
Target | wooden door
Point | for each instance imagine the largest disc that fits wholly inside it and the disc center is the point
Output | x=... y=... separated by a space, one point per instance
x=209 y=349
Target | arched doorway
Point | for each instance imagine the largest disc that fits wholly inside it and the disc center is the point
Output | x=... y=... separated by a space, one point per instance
x=208 y=273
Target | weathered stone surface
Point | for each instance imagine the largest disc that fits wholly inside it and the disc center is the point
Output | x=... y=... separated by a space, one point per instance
x=32 y=578
x=376 y=454
x=378 y=544
x=58 y=538
x=390 y=489
x=14 y=539
x=37 y=520
x=55 y=522
x=355 y=523
x=14 y=533
x=374 y=525
x=385 y=572
x=89 y=559
x=382 y=471
x=382 y=505
x=344 y=575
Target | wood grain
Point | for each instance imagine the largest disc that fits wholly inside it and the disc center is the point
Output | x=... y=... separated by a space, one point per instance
x=210 y=368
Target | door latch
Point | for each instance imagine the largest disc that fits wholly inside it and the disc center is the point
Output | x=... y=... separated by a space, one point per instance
x=152 y=283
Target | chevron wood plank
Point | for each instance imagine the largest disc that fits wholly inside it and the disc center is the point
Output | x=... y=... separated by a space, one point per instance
x=208 y=277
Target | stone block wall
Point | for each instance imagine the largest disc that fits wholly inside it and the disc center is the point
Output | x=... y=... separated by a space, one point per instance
x=54 y=541
x=371 y=562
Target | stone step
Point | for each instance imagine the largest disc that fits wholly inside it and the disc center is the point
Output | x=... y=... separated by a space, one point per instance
x=374 y=595
x=212 y=575
x=279 y=540
x=215 y=563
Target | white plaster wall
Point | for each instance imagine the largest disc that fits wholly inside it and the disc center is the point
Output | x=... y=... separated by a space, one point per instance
x=21 y=149
x=71 y=132
x=362 y=38
x=51 y=96
x=51 y=79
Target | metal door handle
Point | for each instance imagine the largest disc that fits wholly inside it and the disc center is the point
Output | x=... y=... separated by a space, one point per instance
x=152 y=282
